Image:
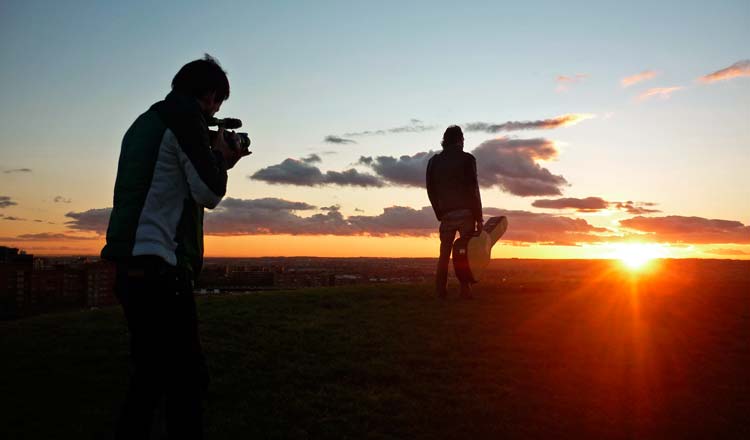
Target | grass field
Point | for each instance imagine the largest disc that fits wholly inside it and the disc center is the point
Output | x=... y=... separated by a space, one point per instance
x=542 y=353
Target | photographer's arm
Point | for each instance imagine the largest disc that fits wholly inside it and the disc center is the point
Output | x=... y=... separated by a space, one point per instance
x=206 y=170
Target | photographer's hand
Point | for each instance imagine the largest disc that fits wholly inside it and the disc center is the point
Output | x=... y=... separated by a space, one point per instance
x=231 y=155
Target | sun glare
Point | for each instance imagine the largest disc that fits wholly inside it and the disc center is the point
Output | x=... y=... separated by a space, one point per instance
x=637 y=255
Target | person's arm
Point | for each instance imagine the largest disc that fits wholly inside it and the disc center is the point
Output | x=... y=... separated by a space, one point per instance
x=431 y=193
x=476 y=199
x=205 y=169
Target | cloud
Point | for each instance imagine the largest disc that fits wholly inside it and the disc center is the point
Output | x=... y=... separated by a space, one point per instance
x=695 y=230
x=565 y=82
x=661 y=92
x=507 y=163
x=593 y=204
x=94 y=220
x=61 y=199
x=726 y=252
x=542 y=124
x=525 y=227
x=301 y=173
x=5 y=202
x=404 y=170
x=638 y=77
x=332 y=139
x=268 y=203
x=48 y=236
x=414 y=126
x=589 y=204
x=18 y=170
x=736 y=70
x=352 y=177
x=313 y=158
x=635 y=207
x=290 y=172
x=511 y=164
x=12 y=218
x=533 y=227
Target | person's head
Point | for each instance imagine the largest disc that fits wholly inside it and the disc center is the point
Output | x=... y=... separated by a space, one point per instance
x=206 y=81
x=453 y=137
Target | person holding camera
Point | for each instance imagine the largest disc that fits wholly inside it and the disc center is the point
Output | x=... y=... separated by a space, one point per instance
x=170 y=168
x=453 y=190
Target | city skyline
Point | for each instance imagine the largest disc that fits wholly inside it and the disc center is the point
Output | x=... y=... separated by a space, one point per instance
x=596 y=129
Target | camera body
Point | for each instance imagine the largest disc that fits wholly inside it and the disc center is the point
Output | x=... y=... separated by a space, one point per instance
x=239 y=140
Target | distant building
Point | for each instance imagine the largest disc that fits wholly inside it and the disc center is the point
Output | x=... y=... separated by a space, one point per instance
x=100 y=284
x=15 y=282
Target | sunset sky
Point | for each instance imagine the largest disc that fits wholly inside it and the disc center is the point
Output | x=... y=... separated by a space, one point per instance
x=594 y=124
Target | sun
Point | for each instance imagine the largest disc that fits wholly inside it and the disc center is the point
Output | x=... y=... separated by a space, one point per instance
x=636 y=256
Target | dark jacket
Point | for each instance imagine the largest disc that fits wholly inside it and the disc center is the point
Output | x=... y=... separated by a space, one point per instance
x=166 y=175
x=452 y=182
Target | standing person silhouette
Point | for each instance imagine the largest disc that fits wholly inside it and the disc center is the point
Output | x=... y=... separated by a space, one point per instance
x=171 y=167
x=453 y=190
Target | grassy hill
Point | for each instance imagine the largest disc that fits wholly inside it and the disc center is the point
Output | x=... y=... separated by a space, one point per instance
x=602 y=356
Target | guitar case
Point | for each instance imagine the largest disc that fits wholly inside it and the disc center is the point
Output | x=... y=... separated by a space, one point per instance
x=471 y=254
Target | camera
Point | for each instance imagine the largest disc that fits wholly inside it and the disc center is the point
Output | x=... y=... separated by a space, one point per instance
x=239 y=140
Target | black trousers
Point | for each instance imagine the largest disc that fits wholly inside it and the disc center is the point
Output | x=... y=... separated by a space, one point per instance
x=167 y=359
x=457 y=221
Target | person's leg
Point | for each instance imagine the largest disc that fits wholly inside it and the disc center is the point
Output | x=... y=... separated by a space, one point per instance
x=447 y=234
x=144 y=314
x=466 y=228
x=188 y=378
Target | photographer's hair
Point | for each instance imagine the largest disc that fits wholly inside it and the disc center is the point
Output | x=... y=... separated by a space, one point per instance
x=452 y=136
x=199 y=77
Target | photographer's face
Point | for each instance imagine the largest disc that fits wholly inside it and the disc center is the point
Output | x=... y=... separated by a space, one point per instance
x=209 y=104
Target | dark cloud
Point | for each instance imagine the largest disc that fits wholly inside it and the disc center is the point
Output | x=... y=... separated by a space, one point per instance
x=48 y=236
x=61 y=199
x=511 y=165
x=589 y=204
x=331 y=208
x=533 y=227
x=228 y=220
x=18 y=170
x=525 y=227
x=358 y=210
x=94 y=220
x=414 y=126
x=290 y=172
x=542 y=124
x=300 y=173
x=313 y=158
x=352 y=177
x=507 y=163
x=635 y=208
x=12 y=218
x=695 y=230
x=593 y=204
x=268 y=203
x=397 y=221
x=736 y=70
x=405 y=170
x=5 y=201
x=332 y=139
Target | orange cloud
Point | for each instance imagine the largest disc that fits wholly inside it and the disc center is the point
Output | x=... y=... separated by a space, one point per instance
x=638 y=77
x=542 y=124
x=564 y=82
x=696 y=230
x=736 y=70
x=661 y=92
